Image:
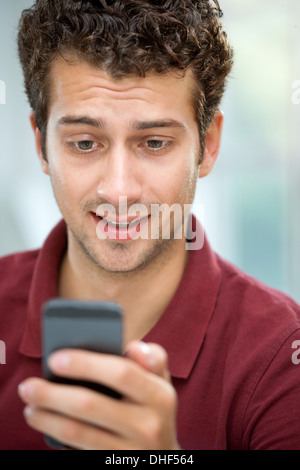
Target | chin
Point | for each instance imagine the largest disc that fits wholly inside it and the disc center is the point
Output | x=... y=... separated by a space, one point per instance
x=121 y=261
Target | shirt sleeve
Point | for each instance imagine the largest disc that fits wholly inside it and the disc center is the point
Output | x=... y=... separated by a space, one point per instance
x=272 y=417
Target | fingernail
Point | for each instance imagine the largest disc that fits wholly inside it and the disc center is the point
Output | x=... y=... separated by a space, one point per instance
x=59 y=361
x=147 y=352
x=25 y=390
x=29 y=411
x=144 y=347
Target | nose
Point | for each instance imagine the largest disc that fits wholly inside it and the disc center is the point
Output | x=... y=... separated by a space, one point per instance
x=120 y=177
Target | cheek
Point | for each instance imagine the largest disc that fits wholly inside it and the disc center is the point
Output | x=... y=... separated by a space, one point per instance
x=188 y=176
x=68 y=187
x=177 y=187
x=65 y=178
x=71 y=184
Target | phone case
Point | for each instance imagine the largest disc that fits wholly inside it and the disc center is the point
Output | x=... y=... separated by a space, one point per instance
x=93 y=326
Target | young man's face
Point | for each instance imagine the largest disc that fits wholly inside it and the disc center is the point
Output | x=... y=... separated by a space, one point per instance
x=136 y=138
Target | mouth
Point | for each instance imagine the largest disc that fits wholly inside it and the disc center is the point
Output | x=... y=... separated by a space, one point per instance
x=120 y=230
x=117 y=225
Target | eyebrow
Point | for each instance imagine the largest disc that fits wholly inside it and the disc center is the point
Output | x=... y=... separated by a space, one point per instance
x=135 y=125
x=144 y=125
x=74 y=120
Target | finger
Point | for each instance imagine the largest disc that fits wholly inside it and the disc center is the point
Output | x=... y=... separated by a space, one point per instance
x=118 y=373
x=136 y=425
x=71 y=432
x=86 y=405
x=151 y=357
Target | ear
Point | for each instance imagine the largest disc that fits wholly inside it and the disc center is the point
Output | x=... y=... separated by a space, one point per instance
x=38 y=143
x=212 y=144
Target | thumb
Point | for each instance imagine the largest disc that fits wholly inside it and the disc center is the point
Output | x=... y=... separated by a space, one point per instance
x=150 y=356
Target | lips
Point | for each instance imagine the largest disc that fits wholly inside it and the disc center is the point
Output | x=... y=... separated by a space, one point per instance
x=120 y=229
x=119 y=225
x=120 y=222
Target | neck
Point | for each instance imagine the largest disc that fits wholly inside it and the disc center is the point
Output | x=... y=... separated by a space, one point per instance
x=143 y=295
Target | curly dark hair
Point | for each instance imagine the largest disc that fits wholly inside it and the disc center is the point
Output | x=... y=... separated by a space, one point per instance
x=123 y=38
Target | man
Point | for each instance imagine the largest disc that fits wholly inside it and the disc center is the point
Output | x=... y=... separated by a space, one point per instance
x=125 y=99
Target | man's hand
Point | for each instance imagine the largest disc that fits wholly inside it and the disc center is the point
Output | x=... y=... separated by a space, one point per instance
x=145 y=418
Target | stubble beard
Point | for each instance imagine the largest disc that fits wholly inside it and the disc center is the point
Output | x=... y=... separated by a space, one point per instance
x=119 y=253
x=157 y=253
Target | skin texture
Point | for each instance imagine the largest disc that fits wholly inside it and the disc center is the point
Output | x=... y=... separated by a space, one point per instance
x=90 y=165
x=121 y=165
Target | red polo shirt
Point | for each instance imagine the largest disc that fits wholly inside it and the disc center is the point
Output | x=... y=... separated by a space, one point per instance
x=229 y=339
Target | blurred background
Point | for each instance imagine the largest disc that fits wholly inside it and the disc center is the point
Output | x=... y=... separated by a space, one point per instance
x=251 y=199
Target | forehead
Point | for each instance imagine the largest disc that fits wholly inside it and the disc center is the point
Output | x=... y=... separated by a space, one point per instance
x=75 y=84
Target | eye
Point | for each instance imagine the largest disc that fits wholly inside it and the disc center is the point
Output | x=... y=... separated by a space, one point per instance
x=85 y=145
x=155 y=144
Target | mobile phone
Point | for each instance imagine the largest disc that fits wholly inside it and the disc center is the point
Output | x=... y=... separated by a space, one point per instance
x=92 y=326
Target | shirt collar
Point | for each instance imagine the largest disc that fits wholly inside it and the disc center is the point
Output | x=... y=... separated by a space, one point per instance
x=182 y=327
x=180 y=330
